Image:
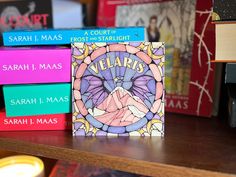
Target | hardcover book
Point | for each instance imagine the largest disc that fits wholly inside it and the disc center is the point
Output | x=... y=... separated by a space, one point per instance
x=67 y=36
x=38 y=99
x=224 y=10
x=73 y=169
x=42 y=122
x=118 y=89
x=185 y=27
x=230 y=73
x=67 y=14
x=231 y=105
x=225 y=35
x=34 y=65
x=32 y=14
x=25 y=14
x=64 y=169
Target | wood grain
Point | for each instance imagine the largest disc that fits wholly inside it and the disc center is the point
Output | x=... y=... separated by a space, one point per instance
x=191 y=147
x=223 y=61
x=223 y=22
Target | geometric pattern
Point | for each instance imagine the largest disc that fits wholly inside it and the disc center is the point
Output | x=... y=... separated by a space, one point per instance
x=118 y=89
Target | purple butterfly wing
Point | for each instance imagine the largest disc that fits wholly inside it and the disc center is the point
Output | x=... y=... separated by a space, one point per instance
x=144 y=87
x=93 y=89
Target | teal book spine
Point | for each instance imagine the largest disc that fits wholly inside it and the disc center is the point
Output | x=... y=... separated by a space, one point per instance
x=28 y=100
x=68 y=36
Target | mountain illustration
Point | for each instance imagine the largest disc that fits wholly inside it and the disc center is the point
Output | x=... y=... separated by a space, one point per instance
x=120 y=108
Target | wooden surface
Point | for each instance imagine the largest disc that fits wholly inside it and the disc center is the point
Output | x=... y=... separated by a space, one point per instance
x=223 y=61
x=223 y=22
x=191 y=147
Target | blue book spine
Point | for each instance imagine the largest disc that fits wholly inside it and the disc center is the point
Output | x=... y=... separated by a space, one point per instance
x=62 y=37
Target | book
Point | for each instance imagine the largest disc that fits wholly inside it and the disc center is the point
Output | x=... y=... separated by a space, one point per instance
x=231 y=105
x=63 y=169
x=37 y=99
x=73 y=169
x=118 y=89
x=41 y=122
x=224 y=10
x=25 y=14
x=67 y=36
x=67 y=14
x=217 y=89
x=225 y=47
x=34 y=65
x=230 y=73
x=189 y=37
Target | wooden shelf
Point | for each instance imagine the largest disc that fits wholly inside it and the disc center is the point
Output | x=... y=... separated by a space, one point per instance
x=191 y=147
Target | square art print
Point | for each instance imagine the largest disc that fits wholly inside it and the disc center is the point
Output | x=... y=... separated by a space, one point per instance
x=118 y=89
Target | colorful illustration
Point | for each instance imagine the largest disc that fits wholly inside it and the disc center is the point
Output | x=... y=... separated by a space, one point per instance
x=172 y=22
x=191 y=62
x=118 y=89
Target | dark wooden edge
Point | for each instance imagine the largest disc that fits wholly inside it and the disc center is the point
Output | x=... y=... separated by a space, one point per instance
x=107 y=161
x=223 y=22
x=223 y=61
x=86 y=1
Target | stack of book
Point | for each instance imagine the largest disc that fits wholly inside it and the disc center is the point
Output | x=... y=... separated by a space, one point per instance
x=37 y=77
x=224 y=17
x=36 y=87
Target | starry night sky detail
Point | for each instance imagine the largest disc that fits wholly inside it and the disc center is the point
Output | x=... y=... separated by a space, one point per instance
x=226 y=9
